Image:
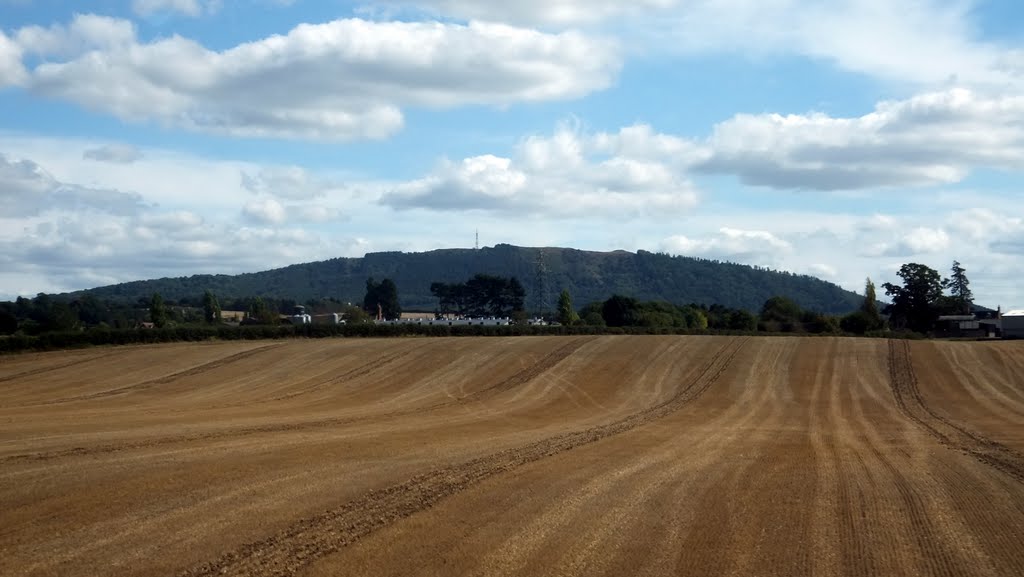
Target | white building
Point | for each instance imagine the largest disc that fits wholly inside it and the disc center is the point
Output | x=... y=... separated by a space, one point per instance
x=451 y=322
x=1013 y=324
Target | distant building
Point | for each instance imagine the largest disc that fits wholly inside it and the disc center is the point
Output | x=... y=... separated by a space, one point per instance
x=449 y=321
x=232 y=316
x=1013 y=324
x=960 y=325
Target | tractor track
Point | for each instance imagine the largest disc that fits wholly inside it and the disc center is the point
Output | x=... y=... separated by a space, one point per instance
x=166 y=379
x=525 y=375
x=307 y=540
x=43 y=370
x=903 y=381
x=354 y=373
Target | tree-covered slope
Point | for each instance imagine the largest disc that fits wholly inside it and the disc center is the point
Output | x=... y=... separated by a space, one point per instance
x=589 y=276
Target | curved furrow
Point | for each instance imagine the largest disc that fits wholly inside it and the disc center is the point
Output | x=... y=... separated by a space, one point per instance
x=44 y=370
x=903 y=381
x=310 y=539
x=189 y=372
x=525 y=375
x=362 y=370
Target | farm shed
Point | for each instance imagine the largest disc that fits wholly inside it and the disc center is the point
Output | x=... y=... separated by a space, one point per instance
x=1013 y=324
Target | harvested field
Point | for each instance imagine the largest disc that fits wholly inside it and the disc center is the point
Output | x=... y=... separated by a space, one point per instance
x=613 y=455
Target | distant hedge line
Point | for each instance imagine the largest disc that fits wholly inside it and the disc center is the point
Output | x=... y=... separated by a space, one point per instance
x=99 y=337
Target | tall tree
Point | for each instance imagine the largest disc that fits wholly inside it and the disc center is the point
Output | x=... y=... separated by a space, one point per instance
x=621 y=311
x=260 y=312
x=157 y=310
x=481 y=295
x=870 y=305
x=781 y=310
x=959 y=287
x=566 y=314
x=914 y=305
x=867 y=317
x=382 y=296
x=8 y=322
x=211 y=308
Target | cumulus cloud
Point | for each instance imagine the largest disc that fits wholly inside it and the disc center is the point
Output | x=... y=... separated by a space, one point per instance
x=116 y=153
x=921 y=240
x=85 y=32
x=630 y=174
x=82 y=251
x=26 y=189
x=11 y=70
x=731 y=244
x=932 y=138
x=346 y=79
x=266 y=211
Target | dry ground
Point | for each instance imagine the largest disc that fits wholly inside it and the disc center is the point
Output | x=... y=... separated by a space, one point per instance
x=515 y=456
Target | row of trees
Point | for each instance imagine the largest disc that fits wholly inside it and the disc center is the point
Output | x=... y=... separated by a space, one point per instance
x=917 y=302
x=624 y=311
x=921 y=299
x=482 y=295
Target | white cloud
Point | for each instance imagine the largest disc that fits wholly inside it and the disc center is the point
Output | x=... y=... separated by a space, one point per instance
x=932 y=138
x=85 y=32
x=922 y=240
x=116 y=153
x=978 y=224
x=537 y=12
x=26 y=189
x=191 y=8
x=346 y=79
x=731 y=244
x=11 y=70
x=60 y=235
x=82 y=251
x=925 y=41
x=846 y=248
x=290 y=182
x=567 y=174
x=823 y=271
x=266 y=211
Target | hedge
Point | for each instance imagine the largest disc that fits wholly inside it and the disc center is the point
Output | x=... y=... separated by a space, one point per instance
x=106 y=336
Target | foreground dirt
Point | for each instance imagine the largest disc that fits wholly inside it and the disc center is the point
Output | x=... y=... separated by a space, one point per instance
x=518 y=456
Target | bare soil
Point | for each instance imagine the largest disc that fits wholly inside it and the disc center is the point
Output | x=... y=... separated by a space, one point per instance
x=515 y=456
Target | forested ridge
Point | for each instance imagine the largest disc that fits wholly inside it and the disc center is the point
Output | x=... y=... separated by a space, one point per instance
x=543 y=272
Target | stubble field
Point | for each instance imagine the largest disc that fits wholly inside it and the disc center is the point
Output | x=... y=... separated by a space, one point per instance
x=515 y=456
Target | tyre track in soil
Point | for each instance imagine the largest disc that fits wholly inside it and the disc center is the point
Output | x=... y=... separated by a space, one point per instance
x=43 y=370
x=354 y=373
x=525 y=375
x=903 y=381
x=166 y=379
x=294 y=548
x=931 y=550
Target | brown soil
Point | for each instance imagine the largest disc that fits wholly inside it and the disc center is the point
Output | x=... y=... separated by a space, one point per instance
x=515 y=456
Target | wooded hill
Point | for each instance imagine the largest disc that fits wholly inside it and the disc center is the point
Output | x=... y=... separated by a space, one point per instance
x=544 y=272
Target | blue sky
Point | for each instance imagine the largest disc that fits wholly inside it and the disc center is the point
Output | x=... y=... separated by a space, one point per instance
x=151 y=138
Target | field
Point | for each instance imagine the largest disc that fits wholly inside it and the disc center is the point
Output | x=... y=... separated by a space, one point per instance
x=612 y=455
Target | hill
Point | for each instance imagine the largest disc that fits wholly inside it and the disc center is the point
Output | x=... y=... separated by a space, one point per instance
x=589 y=276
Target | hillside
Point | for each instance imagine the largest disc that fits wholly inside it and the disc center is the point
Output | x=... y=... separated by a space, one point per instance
x=589 y=276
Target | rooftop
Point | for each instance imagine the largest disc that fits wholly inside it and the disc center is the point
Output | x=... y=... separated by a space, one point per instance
x=1016 y=313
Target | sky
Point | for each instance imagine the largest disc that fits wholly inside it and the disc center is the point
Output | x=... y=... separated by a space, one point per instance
x=153 y=138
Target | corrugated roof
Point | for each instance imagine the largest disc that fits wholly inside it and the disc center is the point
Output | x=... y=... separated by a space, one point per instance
x=1016 y=313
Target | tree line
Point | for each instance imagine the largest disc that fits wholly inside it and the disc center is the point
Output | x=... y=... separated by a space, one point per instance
x=480 y=296
x=916 y=303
